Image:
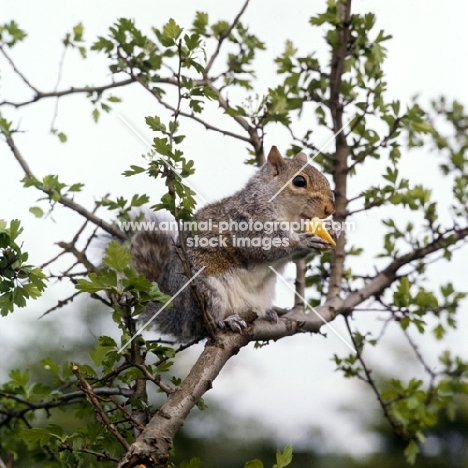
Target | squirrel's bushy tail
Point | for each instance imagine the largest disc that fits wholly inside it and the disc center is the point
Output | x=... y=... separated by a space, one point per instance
x=151 y=253
x=154 y=256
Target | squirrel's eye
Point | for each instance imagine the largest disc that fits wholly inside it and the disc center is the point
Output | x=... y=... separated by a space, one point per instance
x=299 y=181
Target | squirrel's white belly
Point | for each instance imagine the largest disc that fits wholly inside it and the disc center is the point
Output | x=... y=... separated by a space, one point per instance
x=244 y=290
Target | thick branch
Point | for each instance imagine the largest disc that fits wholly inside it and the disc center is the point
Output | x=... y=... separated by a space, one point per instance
x=152 y=446
x=340 y=173
x=388 y=275
x=301 y=270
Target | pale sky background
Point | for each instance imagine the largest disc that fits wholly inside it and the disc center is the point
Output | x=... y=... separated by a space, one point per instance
x=290 y=384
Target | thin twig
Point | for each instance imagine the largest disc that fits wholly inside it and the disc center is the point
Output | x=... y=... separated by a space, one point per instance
x=79 y=255
x=16 y=70
x=100 y=413
x=420 y=358
x=63 y=200
x=370 y=381
x=224 y=36
x=60 y=400
x=73 y=90
x=99 y=455
x=60 y=304
x=380 y=144
x=191 y=115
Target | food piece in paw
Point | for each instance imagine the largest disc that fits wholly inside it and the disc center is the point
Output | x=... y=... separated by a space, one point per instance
x=316 y=226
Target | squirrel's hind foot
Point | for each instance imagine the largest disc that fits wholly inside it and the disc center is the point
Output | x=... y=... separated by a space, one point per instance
x=233 y=322
x=271 y=316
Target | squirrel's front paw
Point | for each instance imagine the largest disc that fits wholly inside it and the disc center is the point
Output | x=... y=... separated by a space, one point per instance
x=314 y=242
x=234 y=322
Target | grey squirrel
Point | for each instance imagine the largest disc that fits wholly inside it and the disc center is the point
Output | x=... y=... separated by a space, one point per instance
x=236 y=277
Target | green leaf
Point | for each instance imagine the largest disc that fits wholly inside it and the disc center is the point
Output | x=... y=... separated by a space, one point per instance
x=104 y=345
x=36 y=435
x=210 y=93
x=95 y=115
x=36 y=211
x=103 y=44
x=14 y=32
x=134 y=170
x=6 y=303
x=78 y=32
x=254 y=464
x=192 y=41
x=285 y=458
x=411 y=452
x=170 y=34
x=75 y=187
x=105 y=280
x=423 y=127
x=401 y=296
x=439 y=331
x=139 y=200
x=55 y=429
x=200 y=23
x=50 y=366
x=18 y=378
x=155 y=123
x=193 y=463
x=117 y=256
x=15 y=229
x=107 y=341
x=162 y=146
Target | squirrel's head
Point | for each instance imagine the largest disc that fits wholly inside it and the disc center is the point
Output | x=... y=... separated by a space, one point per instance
x=301 y=190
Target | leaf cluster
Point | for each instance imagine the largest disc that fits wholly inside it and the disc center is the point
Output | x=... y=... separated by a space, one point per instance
x=19 y=281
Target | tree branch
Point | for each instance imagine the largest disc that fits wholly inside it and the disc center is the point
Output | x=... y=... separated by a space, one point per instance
x=370 y=381
x=153 y=444
x=16 y=70
x=224 y=36
x=340 y=172
x=301 y=269
x=98 y=455
x=100 y=413
x=380 y=144
x=67 y=398
x=65 y=201
x=389 y=274
x=65 y=92
x=255 y=140
x=194 y=117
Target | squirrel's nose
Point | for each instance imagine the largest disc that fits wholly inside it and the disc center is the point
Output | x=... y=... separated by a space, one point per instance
x=329 y=209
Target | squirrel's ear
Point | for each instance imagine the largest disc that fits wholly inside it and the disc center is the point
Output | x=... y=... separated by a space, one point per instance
x=302 y=157
x=275 y=160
